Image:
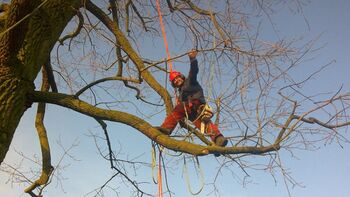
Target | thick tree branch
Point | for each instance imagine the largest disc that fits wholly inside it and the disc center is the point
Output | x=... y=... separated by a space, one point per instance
x=144 y=127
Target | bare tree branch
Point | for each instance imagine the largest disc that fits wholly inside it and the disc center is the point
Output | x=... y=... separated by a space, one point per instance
x=77 y=30
x=43 y=139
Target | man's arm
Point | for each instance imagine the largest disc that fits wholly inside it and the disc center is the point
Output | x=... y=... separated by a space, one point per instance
x=194 y=67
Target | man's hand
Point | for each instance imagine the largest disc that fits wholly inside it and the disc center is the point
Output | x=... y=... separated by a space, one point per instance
x=192 y=54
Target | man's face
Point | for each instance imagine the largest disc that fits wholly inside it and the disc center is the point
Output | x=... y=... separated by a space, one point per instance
x=178 y=81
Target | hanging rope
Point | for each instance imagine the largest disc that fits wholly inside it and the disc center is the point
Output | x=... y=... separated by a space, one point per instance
x=188 y=179
x=154 y=162
x=164 y=36
x=160 y=184
x=153 y=166
x=169 y=62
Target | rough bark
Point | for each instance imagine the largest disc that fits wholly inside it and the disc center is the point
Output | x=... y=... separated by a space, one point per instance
x=12 y=106
x=32 y=28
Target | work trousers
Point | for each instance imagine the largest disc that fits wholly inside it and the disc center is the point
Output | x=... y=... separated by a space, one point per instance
x=189 y=108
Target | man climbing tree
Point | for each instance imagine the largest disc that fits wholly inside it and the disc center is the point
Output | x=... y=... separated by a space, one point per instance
x=191 y=103
x=97 y=58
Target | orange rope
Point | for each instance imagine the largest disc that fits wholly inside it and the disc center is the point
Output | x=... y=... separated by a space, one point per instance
x=164 y=36
x=165 y=43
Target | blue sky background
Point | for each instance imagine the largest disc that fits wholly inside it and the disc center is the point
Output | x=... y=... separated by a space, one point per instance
x=322 y=173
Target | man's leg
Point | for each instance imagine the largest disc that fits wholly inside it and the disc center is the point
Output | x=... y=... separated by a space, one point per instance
x=213 y=131
x=172 y=119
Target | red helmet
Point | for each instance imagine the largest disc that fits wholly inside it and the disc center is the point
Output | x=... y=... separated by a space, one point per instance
x=174 y=74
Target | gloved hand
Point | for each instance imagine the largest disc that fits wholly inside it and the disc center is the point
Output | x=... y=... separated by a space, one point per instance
x=192 y=54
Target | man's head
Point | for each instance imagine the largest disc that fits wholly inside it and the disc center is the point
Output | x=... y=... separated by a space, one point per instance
x=177 y=79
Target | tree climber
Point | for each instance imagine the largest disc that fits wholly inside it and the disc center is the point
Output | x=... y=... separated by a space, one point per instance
x=190 y=104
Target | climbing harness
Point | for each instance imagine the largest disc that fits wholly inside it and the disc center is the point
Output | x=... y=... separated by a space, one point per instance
x=205 y=114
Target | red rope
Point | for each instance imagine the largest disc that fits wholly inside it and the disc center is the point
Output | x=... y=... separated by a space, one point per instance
x=160 y=188
x=164 y=36
x=165 y=43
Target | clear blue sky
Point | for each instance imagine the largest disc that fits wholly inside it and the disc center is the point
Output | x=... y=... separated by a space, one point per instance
x=323 y=173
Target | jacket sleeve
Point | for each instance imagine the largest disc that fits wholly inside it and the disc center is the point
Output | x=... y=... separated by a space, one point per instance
x=192 y=75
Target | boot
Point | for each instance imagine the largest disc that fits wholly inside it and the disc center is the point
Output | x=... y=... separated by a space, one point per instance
x=163 y=130
x=220 y=141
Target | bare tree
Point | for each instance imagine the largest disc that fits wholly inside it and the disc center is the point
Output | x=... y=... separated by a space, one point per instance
x=97 y=59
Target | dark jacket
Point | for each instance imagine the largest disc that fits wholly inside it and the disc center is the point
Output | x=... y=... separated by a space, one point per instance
x=191 y=89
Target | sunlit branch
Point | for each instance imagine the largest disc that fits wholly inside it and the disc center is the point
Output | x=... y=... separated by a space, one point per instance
x=43 y=139
x=144 y=127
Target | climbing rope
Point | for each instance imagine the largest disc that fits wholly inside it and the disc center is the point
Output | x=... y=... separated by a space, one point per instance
x=169 y=62
x=164 y=36
x=160 y=184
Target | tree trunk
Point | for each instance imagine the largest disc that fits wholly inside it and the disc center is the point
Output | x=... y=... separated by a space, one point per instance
x=13 y=103
x=24 y=47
